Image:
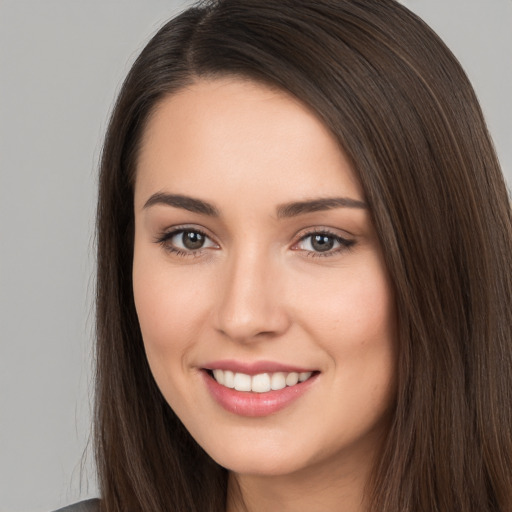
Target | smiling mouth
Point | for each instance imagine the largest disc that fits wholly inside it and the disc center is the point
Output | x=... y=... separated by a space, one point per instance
x=259 y=383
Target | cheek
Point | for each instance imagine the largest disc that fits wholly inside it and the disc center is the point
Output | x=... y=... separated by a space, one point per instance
x=168 y=309
x=355 y=312
x=355 y=324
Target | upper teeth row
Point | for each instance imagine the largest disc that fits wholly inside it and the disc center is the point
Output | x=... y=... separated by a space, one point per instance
x=260 y=383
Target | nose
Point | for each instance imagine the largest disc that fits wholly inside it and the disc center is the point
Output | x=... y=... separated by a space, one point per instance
x=251 y=302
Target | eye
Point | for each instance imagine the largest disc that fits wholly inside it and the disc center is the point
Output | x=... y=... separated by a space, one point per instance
x=186 y=241
x=323 y=243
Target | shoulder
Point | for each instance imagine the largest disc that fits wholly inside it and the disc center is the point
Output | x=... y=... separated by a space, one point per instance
x=83 y=506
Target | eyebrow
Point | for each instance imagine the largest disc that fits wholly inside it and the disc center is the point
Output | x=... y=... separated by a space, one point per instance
x=315 y=205
x=292 y=209
x=185 y=202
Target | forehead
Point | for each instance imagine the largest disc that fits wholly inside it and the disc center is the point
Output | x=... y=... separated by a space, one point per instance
x=228 y=135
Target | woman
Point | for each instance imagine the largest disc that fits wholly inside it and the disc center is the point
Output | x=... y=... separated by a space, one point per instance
x=304 y=278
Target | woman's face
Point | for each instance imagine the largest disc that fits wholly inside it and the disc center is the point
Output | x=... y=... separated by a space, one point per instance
x=256 y=265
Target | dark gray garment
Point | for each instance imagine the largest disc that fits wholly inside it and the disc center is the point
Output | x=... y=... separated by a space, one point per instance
x=83 y=506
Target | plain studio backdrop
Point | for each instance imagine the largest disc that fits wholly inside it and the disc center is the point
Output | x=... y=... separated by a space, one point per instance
x=61 y=64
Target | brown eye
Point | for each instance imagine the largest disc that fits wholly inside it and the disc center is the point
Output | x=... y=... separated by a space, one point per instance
x=192 y=240
x=322 y=243
x=185 y=241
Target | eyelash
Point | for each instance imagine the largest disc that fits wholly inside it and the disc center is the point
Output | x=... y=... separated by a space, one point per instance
x=164 y=241
x=344 y=243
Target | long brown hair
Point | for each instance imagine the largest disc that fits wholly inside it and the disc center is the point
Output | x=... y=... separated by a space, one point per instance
x=405 y=114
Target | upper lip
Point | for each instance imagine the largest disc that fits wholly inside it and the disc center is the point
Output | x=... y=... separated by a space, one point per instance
x=254 y=367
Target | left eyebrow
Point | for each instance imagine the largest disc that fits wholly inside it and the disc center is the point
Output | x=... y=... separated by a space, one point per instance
x=315 y=205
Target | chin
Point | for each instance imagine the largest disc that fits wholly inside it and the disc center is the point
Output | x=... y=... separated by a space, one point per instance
x=261 y=465
x=265 y=459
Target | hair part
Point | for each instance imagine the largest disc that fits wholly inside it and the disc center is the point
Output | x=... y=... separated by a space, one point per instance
x=405 y=114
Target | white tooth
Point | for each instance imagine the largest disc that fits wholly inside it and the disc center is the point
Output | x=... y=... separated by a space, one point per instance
x=292 y=379
x=242 y=382
x=278 y=381
x=229 y=379
x=219 y=376
x=261 y=383
x=302 y=376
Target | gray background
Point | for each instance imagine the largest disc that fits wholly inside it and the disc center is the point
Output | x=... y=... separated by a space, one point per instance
x=61 y=63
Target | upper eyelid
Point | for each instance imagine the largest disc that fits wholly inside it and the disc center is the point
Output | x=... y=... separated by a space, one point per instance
x=344 y=235
x=174 y=230
x=337 y=237
x=311 y=230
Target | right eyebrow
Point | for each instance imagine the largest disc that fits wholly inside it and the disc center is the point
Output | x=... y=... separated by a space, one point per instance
x=185 y=202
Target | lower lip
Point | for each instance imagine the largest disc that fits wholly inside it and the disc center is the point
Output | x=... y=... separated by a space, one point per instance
x=245 y=403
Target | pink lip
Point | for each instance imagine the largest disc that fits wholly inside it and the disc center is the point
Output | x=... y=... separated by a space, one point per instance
x=244 y=403
x=253 y=368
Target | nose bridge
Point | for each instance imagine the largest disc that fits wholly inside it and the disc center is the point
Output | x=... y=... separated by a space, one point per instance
x=250 y=302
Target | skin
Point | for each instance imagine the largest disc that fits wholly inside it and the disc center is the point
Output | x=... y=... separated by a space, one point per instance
x=258 y=290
